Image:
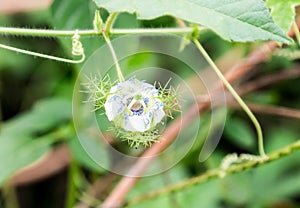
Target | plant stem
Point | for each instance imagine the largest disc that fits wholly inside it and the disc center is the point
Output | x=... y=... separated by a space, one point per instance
x=114 y=55
x=235 y=95
x=217 y=173
x=10 y=195
x=66 y=33
x=110 y=21
x=146 y=31
x=107 y=28
x=44 y=32
x=71 y=190
x=18 y=50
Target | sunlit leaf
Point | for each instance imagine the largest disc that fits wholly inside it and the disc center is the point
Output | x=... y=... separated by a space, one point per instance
x=246 y=20
x=283 y=12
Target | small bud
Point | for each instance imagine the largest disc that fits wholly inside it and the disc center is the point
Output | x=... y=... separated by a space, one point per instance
x=97 y=23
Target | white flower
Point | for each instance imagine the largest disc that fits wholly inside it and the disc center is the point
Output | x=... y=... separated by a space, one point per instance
x=134 y=106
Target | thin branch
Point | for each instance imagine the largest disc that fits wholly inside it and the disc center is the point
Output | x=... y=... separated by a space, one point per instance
x=260 y=55
x=52 y=163
x=269 y=79
x=272 y=110
x=99 y=189
x=218 y=173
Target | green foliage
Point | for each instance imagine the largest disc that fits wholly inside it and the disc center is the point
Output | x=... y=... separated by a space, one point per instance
x=83 y=158
x=283 y=12
x=18 y=152
x=232 y=19
x=43 y=117
x=239 y=190
x=239 y=132
x=69 y=15
x=28 y=133
x=26 y=138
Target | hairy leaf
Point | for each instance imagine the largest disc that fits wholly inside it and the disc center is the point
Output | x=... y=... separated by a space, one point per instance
x=237 y=20
x=283 y=12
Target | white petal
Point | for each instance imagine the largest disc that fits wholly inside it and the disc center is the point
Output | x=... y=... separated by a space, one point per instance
x=120 y=97
x=158 y=116
x=135 y=123
x=113 y=106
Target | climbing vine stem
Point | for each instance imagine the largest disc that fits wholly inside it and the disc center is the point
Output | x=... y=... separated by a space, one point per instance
x=92 y=32
x=109 y=23
x=235 y=95
x=77 y=50
x=217 y=173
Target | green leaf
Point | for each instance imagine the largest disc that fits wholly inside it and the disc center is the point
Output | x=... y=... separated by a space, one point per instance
x=18 y=152
x=83 y=158
x=72 y=15
x=45 y=115
x=239 y=132
x=19 y=143
x=283 y=12
x=78 y=14
x=246 y=20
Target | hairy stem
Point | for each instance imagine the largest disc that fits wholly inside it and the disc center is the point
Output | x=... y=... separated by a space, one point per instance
x=235 y=95
x=116 y=31
x=218 y=173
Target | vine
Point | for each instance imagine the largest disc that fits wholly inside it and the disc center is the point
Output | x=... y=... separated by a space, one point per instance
x=77 y=50
x=236 y=96
x=138 y=104
x=218 y=173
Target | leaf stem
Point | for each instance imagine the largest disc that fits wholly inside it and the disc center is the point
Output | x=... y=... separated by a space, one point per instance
x=114 y=56
x=106 y=31
x=235 y=95
x=110 y=21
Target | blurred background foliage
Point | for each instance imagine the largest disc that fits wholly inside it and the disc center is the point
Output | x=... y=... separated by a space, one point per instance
x=36 y=119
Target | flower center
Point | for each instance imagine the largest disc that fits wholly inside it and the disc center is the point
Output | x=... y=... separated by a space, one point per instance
x=137 y=105
x=137 y=108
